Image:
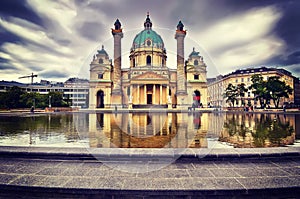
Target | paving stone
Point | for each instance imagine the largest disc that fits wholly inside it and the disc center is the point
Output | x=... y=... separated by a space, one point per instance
x=100 y=172
x=165 y=184
x=82 y=182
x=227 y=183
x=200 y=173
x=179 y=166
x=263 y=163
x=54 y=181
x=153 y=174
x=52 y=171
x=122 y=173
x=136 y=184
x=273 y=172
x=29 y=170
x=70 y=164
x=267 y=182
x=292 y=170
x=195 y=183
x=190 y=174
x=10 y=162
x=223 y=164
x=39 y=163
x=177 y=173
x=92 y=164
x=28 y=180
x=242 y=163
x=6 y=178
x=286 y=163
x=8 y=168
x=114 y=183
x=223 y=172
x=204 y=164
x=248 y=172
x=77 y=171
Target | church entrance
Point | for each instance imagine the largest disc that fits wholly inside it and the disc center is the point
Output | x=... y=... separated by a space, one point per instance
x=149 y=98
x=197 y=99
x=100 y=99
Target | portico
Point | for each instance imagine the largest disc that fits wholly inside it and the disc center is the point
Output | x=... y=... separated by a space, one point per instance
x=143 y=90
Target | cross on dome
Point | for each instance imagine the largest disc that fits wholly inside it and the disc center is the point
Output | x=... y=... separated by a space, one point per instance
x=148 y=23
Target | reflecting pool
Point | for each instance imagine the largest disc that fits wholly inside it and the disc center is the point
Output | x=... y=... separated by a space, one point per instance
x=150 y=130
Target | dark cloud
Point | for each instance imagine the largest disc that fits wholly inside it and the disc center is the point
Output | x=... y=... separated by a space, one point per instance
x=91 y=30
x=6 y=65
x=19 y=9
x=287 y=27
x=8 y=37
x=135 y=11
x=35 y=68
x=53 y=74
x=291 y=59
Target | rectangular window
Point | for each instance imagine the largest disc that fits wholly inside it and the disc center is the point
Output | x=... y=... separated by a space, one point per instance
x=249 y=94
x=236 y=80
x=100 y=76
x=242 y=79
x=248 y=79
x=196 y=76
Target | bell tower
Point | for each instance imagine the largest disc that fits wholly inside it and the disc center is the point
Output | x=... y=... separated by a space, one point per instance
x=181 y=76
x=116 y=95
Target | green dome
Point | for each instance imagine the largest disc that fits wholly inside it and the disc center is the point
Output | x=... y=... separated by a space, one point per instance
x=148 y=38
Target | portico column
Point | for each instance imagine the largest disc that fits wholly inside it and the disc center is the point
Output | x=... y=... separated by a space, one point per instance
x=145 y=93
x=153 y=93
x=130 y=92
x=138 y=94
x=130 y=97
x=160 y=94
x=167 y=92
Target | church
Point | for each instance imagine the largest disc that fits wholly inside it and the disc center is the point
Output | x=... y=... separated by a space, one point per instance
x=147 y=82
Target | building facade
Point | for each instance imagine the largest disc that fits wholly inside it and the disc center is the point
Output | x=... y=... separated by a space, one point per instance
x=217 y=86
x=147 y=82
x=74 y=90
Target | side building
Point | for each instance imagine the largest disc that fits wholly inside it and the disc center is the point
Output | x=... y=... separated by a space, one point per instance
x=74 y=90
x=217 y=86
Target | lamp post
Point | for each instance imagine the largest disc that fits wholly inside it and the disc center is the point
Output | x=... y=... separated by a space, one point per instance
x=50 y=101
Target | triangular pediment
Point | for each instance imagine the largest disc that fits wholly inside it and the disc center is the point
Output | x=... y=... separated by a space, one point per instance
x=149 y=76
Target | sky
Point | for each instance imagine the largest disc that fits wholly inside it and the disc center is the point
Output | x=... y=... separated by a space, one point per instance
x=57 y=39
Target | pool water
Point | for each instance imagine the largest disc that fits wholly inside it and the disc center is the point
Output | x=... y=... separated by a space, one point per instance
x=150 y=130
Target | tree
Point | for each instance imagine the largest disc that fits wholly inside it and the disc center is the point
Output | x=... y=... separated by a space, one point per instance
x=13 y=97
x=259 y=89
x=241 y=89
x=231 y=93
x=56 y=99
x=278 y=89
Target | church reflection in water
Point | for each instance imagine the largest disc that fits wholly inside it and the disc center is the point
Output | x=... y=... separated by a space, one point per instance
x=148 y=130
x=190 y=130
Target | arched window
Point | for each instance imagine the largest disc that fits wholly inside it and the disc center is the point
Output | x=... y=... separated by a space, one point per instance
x=148 y=60
x=196 y=62
x=100 y=61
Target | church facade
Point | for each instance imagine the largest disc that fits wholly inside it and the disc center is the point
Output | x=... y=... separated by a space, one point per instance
x=147 y=82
